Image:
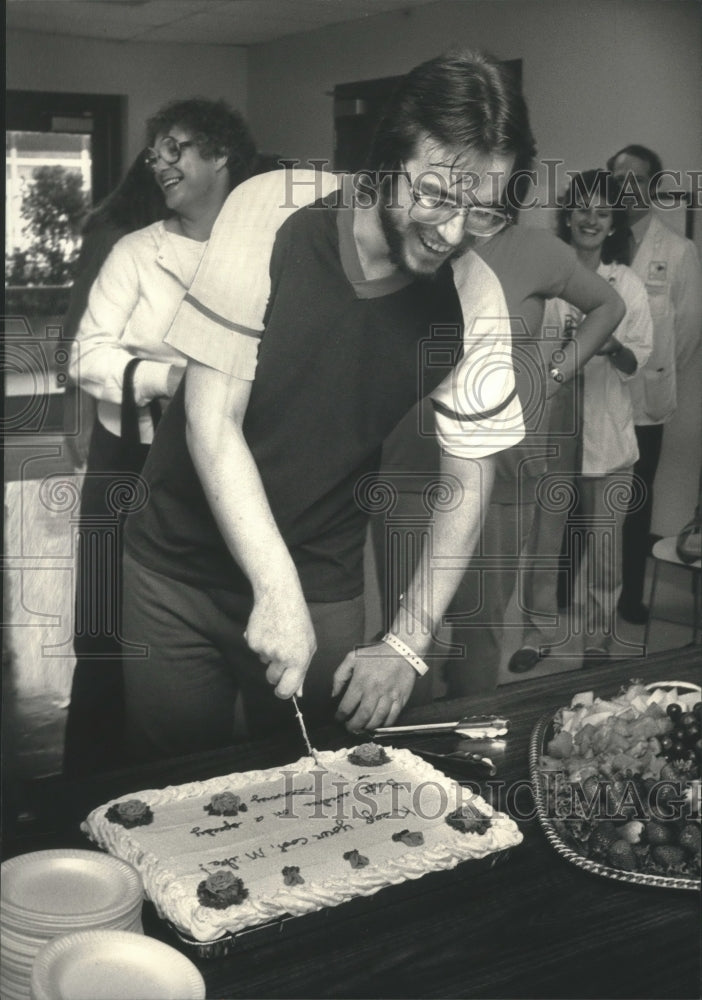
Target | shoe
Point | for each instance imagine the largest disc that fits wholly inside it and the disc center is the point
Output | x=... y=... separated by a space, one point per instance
x=595 y=655
x=637 y=614
x=524 y=660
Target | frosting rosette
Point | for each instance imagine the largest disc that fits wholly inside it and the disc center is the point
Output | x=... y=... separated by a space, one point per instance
x=291 y=875
x=356 y=859
x=369 y=755
x=220 y=890
x=412 y=838
x=467 y=819
x=130 y=813
x=225 y=804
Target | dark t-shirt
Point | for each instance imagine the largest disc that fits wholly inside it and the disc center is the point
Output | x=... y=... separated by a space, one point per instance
x=338 y=366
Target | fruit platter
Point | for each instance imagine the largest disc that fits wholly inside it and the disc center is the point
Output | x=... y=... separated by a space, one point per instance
x=617 y=783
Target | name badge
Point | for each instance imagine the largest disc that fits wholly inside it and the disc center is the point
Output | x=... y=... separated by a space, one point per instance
x=657 y=272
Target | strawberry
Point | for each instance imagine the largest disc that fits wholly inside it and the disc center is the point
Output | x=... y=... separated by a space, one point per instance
x=620 y=855
x=604 y=834
x=658 y=833
x=690 y=838
x=670 y=857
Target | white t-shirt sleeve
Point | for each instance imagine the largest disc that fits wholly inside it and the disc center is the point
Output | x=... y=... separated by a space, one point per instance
x=220 y=321
x=476 y=407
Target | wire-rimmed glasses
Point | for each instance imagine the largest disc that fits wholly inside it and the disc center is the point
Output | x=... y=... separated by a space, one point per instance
x=169 y=149
x=432 y=203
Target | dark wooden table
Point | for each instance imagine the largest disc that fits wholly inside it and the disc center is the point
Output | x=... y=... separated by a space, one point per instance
x=533 y=926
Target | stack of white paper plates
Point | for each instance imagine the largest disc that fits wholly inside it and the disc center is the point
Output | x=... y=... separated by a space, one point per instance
x=50 y=893
x=113 y=965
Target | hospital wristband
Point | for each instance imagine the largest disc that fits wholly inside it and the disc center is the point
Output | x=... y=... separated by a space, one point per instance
x=416 y=662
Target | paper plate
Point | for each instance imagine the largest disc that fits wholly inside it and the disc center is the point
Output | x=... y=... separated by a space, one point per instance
x=48 y=889
x=113 y=965
x=15 y=992
x=12 y=987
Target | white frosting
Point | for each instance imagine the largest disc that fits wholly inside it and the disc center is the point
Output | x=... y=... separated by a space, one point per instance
x=330 y=812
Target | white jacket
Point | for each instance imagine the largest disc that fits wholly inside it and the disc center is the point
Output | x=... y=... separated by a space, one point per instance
x=608 y=435
x=130 y=307
x=669 y=267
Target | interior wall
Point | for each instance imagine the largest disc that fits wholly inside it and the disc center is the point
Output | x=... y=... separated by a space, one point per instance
x=596 y=75
x=147 y=75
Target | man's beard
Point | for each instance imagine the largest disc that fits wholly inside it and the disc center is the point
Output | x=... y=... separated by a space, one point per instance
x=396 y=240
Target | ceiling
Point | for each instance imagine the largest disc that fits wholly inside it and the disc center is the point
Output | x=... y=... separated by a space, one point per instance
x=211 y=22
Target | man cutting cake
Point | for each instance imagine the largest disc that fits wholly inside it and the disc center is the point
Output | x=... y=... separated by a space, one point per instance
x=321 y=312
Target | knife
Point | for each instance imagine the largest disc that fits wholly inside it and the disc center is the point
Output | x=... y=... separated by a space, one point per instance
x=310 y=749
x=471 y=727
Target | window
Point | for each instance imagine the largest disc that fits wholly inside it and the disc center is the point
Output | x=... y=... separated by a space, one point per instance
x=63 y=154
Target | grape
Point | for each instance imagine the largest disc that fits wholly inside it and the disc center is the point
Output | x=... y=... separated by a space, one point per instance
x=677 y=748
x=697 y=710
x=666 y=743
x=692 y=735
x=674 y=711
x=678 y=734
x=687 y=719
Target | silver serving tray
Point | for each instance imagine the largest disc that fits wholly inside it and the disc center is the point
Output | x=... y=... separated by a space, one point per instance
x=542 y=734
x=252 y=937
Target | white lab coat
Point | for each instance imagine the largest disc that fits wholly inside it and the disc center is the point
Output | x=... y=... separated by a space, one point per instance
x=669 y=267
x=609 y=439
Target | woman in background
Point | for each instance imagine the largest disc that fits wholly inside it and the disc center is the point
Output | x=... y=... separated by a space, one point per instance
x=532 y=266
x=135 y=203
x=199 y=150
x=609 y=449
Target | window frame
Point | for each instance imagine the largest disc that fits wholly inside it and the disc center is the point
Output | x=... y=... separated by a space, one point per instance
x=34 y=111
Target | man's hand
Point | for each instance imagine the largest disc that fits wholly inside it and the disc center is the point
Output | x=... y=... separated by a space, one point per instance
x=280 y=632
x=379 y=684
x=610 y=346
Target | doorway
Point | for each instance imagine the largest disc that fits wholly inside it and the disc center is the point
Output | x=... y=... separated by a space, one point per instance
x=63 y=154
x=358 y=108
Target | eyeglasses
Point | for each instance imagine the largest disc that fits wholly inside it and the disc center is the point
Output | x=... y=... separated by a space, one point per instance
x=432 y=204
x=169 y=150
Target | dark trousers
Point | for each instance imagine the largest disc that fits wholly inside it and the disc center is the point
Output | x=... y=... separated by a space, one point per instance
x=637 y=525
x=468 y=643
x=182 y=686
x=95 y=723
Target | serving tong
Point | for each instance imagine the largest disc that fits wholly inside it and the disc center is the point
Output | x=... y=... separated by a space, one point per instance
x=469 y=757
x=471 y=727
x=483 y=734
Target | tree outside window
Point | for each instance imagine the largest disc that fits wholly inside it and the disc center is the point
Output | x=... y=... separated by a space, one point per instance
x=53 y=207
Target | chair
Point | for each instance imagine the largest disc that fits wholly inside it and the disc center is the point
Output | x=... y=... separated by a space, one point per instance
x=664 y=551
